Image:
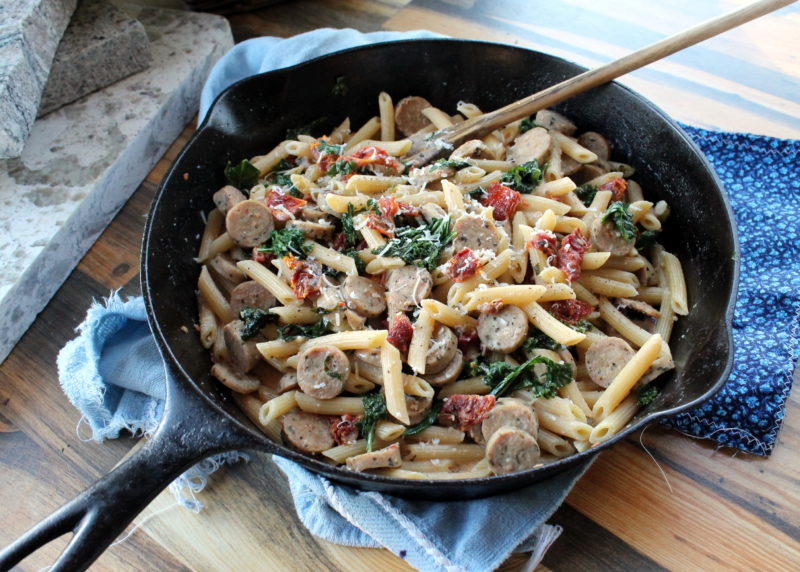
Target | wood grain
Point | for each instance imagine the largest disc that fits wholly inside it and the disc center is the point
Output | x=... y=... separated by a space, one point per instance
x=724 y=511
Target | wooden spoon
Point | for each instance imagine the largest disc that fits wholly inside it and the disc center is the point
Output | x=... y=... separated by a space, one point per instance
x=434 y=146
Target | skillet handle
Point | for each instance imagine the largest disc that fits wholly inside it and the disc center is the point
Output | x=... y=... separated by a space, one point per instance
x=189 y=431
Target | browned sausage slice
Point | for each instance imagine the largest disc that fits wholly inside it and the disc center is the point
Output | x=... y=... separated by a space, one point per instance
x=322 y=230
x=569 y=166
x=386 y=457
x=475 y=233
x=222 y=265
x=228 y=197
x=531 y=145
x=408 y=286
x=503 y=331
x=242 y=355
x=606 y=238
x=249 y=223
x=596 y=143
x=307 y=432
x=554 y=121
x=238 y=382
x=605 y=358
x=586 y=173
x=474 y=149
x=251 y=294
x=510 y=412
x=364 y=296
x=511 y=450
x=442 y=349
x=367 y=364
x=449 y=373
x=322 y=371
x=408 y=114
x=418 y=408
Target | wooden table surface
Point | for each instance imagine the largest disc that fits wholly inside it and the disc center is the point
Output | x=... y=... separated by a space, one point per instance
x=659 y=500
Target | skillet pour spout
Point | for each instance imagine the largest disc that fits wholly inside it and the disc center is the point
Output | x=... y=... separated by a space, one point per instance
x=250 y=118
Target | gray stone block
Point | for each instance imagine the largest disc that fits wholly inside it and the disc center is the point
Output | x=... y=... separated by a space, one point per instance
x=101 y=45
x=30 y=31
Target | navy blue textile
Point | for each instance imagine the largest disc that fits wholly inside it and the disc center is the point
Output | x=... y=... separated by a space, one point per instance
x=762 y=178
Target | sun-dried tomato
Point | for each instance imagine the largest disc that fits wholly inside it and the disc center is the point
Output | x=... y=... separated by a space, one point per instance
x=260 y=257
x=372 y=156
x=544 y=241
x=323 y=159
x=503 y=199
x=400 y=332
x=386 y=228
x=465 y=411
x=306 y=276
x=492 y=307
x=571 y=311
x=284 y=206
x=339 y=241
x=344 y=429
x=617 y=186
x=466 y=338
x=463 y=266
x=570 y=255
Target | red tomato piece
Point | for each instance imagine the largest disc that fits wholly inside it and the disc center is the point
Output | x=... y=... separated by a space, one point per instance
x=260 y=257
x=380 y=224
x=324 y=159
x=339 y=242
x=544 y=241
x=463 y=265
x=617 y=186
x=571 y=311
x=400 y=332
x=570 y=255
x=389 y=207
x=284 y=206
x=465 y=411
x=466 y=338
x=503 y=199
x=371 y=155
x=306 y=276
x=344 y=429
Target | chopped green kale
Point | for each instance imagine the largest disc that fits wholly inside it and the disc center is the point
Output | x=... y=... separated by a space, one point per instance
x=286 y=241
x=538 y=339
x=421 y=245
x=289 y=332
x=647 y=394
x=449 y=164
x=330 y=148
x=523 y=178
x=527 y=124
x=361 y=266
x=342 y=167
x=581 y=326
x=646 y=239
x=427 y=421
x=505 y=378
x=374 y=411
x=621 y=217
x=254 y=319
x=242 y=176
x=586 y=193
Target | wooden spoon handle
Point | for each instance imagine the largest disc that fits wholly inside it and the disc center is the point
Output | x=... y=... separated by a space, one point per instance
x=483 y=124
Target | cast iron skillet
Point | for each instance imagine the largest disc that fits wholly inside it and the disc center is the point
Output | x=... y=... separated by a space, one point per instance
x=250 y=118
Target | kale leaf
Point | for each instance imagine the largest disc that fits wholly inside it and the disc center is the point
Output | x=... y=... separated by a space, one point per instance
x=646 y=239
x=374 y=411
x=647 y=394
x=427 y=421
x=586 y=193
x=421 y=245
x=286 y=241
x=289 y=332
x=347 y=225
x=621 y=217
x=254 y=319
x=361 y=266
x=504 y=378
x=523 y=178
x=242 y=176
x=538 y=339
x=527 y=124
x=342 y=167
x=449 y=163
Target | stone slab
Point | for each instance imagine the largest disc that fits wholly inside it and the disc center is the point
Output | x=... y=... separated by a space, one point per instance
x=101 y=45
x=83 y=161
x=30 y=31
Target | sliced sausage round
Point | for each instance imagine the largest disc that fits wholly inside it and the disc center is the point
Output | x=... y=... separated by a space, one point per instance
x=586 y=173
x=475 y=233
x=474 y=148
x=242 y=355
x=554 y=121
x=249 y=223
x=307 y=432
x=431 y=211
x=503 y=331
x=408 y=286
x=364 y=296
x=251 y=294
x=511 y=450
x=531 y=145
x=596 y=143
x=449 y=373
x=418 y=408
x=605 y=358
x=222 y=266
x=322 y=230
x=606 y=238
x=510 y=412
x=442 y=349
x=408 y=114
x=238 y=382
x=322 y=371
x=287 y=382
x=569 y=166
x=228 y=197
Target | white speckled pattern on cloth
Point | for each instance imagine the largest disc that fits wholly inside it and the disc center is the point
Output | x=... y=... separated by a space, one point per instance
x=83 y=161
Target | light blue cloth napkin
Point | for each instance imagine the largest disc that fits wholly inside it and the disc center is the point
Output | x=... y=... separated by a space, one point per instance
x=112 y=372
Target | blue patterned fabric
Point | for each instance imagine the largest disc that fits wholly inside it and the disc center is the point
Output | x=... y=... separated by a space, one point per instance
x=762 y=178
